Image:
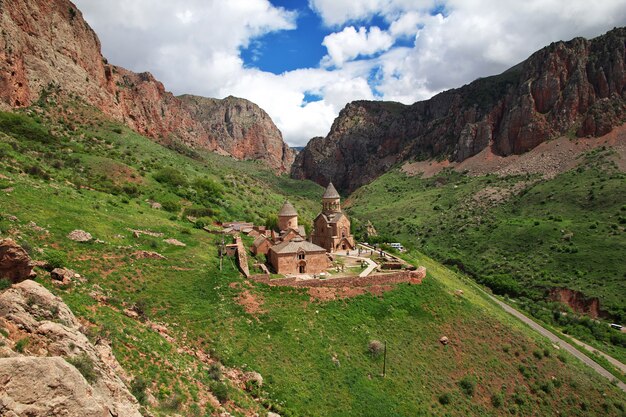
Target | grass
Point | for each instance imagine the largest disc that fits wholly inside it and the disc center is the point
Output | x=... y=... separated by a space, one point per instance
x=313 y=355
x=538 y=239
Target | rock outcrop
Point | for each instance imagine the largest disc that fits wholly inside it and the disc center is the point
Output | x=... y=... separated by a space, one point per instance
x=37 y=377
x=46 y=44
x=15 y=264
x=576 y=87
x=241 y=129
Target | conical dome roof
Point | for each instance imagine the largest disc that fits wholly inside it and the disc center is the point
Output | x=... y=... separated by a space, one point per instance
x=287 y=210
x=331 y=192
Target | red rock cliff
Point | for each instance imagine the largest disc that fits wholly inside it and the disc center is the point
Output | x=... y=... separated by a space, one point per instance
x=47 y=42
x=576 y=87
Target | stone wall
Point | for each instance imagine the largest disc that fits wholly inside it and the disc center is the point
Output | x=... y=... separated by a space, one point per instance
x=242 y=257
x=413 y=277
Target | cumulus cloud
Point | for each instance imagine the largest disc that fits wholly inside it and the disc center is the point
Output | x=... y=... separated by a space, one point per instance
x=349 y=44
x=194 y=46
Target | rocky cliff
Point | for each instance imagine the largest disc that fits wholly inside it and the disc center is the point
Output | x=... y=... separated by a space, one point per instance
x=241 y=128
x=49 y=367
x=47 y=43
x=576 y=87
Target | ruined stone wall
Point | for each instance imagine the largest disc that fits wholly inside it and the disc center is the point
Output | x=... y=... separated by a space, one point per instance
x=413 y=277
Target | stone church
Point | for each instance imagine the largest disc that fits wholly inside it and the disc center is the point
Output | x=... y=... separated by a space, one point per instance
x=289 y=252
x=331 y=228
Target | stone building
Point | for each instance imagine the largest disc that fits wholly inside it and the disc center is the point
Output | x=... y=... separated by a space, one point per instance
x=297 y=256
x=331 y=228
x=261 y=245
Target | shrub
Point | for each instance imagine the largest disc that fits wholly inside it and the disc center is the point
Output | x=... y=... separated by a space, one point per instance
x=4 y=284
x=497 y=400
x=375 y=348
x=445 y=399
x=171 y=177
x=538 y=354
x=55 y=259
x=138 y=389
x=215 y=372
x=37 y=171
x=171 y=206
x=220 y=390
x=468 y=385
x=85 y=366
x=21 y=344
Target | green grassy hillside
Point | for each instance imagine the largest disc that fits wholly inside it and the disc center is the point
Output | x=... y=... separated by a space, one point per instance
x=533 y=235
x=88 y=173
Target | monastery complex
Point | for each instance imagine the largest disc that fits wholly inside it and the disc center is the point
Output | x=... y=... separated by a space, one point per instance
x=290 y=251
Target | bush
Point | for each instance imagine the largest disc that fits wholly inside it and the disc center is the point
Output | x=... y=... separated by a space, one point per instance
x=138 y=388
x=171 y=176
x=220 y=390
x=375 y=348
x=85 y=366
x=54 y=259
x=445 y=399
x=497 y=400
x=215 y=372
x=4 y=284
x=171 y=206
x=468 y=385
x=21 y=344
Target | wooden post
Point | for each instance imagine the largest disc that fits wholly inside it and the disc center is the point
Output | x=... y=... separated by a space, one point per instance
x=385 y=360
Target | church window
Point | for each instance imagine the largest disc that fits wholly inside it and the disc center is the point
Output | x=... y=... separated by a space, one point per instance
x=301 y=255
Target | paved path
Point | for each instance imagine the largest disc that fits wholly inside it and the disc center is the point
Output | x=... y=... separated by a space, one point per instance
x=556 y=340
x=371 y=265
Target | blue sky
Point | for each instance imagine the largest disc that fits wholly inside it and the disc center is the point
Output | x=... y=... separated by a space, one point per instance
x=303 y=60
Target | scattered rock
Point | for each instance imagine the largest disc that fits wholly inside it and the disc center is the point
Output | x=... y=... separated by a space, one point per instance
x=444 y=340
x=63 y=275
x=36 y=228
x=12 y=218
x=9 y=190
x=174 y=242
x=156 y=206
x=144 y=254
x=137 y=233
x=458 y=293
x=273 y=414
x=254 y=377
x=131 y=313
x=79 y=236
x=15 y=264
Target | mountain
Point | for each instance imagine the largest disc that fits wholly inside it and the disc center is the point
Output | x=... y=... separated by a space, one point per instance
x=47 y=44
x=573 y=88
x=241 y=128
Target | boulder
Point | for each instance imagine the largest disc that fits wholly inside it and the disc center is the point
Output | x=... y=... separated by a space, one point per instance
x=63 y=275
x=444 y=340
x=15 y=264
x=46 y=384
x=174 y=242
x=254 y=378
x=79 y=236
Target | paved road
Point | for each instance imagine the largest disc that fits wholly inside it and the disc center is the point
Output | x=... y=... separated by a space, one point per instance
x=612 y=360
x=556 y=340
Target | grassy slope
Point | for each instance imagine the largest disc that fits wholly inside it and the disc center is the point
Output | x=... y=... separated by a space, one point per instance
x=292 y=341
x=520 y=247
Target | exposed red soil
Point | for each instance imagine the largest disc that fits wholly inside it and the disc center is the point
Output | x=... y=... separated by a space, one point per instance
x=548 y=158
x=252 y=303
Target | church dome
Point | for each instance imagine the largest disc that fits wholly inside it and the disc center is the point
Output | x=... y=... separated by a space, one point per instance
x=287 y=210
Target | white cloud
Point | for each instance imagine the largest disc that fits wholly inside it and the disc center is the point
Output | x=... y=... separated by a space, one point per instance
x=349 y=44
x=194 y=46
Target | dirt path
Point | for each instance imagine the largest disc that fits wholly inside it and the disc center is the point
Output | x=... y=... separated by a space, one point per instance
x=562 y=343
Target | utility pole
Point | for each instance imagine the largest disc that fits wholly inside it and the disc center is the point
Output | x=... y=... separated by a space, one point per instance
x=385 y=360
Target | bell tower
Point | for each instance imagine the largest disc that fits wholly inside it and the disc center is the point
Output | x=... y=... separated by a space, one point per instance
x=331 y=200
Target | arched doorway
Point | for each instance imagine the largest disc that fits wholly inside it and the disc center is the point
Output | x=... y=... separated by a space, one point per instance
x=302 y=267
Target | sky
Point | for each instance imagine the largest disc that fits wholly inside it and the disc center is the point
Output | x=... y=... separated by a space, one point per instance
x=302 y=61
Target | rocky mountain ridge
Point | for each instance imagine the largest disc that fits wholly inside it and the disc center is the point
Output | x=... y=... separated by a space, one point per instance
x=47 y=43
x=567 y=88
